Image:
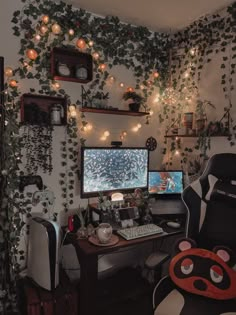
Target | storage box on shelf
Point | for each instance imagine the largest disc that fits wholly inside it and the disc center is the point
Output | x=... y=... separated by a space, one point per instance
x=43 y=110
x=69 y=64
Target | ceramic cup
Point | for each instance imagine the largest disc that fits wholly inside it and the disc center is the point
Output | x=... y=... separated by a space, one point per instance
x=104 y=232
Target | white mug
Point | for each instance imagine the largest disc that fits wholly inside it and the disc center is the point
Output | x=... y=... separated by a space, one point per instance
x=104 y=233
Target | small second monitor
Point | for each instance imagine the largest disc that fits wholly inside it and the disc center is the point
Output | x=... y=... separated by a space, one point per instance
x=166 y=184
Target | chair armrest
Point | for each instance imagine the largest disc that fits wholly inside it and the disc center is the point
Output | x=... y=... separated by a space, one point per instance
x=156 y=259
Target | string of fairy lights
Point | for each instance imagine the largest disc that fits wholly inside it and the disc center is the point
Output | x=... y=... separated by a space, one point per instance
x=170 y=95
x=104 y=134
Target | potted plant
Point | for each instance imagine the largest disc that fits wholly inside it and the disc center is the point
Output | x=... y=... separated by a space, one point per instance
x=101 y=99
x=201 y=116
x=136 y=100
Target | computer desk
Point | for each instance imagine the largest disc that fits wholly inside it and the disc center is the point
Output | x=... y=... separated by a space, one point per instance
x=87 y=255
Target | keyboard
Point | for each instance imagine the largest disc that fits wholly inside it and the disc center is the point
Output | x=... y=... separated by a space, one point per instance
x=139 y=231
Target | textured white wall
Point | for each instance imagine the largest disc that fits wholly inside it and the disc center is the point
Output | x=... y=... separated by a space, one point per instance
x=210 y=87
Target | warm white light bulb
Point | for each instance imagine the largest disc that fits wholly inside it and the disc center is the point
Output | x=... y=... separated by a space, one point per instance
x=56 y=29
x=156 y=99
x=186 y=74
x=135 y=129
x=73 y=114
x=90 y=43
x=111 y=79
x=156 y=74
x=8 y=72
x=96 y=56
x=43 y=29
x=139 y=126
x=72 y=108
x=45 y=19
x=71 y=32
x=103 y=138
x=37 y=37
x=56 y=85
x=106 y=133
x=176 y=152
x=89 y=127
x=122 y=84
x=192 y=51
x=151 y=112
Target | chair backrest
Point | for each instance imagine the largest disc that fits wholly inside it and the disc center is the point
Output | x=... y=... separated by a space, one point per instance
x=211 y=210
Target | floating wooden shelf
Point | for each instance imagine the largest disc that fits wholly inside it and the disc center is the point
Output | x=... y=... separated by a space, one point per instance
x=112 y=111
x=71 y=59
x=193 y=136
x=35 y=109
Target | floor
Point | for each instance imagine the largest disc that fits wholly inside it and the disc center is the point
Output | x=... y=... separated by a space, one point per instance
x=125 y=293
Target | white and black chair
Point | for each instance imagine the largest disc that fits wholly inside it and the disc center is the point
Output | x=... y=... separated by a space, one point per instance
x=211 y=205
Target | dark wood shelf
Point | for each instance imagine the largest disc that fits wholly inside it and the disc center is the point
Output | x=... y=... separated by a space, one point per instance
x=112 y=111
x=35 y=109
x=72 y=59
x=193 y=136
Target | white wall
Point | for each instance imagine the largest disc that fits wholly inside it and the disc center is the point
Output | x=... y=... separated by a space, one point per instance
x=210 y=87
x=115 y=124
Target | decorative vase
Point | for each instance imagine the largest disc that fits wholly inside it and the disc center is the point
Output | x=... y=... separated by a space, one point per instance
x=188 y=120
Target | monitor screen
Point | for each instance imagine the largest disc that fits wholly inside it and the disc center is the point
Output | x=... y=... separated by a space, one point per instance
x=113 y=169
x=165 y=182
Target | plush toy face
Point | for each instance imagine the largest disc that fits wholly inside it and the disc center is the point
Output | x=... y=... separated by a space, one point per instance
x=203 y=272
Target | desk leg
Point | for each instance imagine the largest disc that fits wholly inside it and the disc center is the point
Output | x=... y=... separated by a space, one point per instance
x=88 y=284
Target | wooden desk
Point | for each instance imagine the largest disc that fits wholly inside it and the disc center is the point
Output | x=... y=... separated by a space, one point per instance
x=88 y=253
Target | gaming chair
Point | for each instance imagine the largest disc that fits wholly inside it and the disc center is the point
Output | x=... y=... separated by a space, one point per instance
x=211 y=205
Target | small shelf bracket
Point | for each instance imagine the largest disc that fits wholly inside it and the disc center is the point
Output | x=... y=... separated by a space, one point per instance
x=85 y=98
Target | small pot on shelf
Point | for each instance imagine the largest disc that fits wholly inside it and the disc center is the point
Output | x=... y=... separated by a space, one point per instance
x=134 y=107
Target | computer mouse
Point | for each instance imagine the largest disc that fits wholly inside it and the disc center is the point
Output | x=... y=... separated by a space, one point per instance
x=173 y=224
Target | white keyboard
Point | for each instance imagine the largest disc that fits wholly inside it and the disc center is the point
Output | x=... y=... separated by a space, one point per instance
x=139 y=231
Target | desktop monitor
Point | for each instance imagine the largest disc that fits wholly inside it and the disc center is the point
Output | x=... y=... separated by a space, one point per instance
x=106 y=170
x=165 y=183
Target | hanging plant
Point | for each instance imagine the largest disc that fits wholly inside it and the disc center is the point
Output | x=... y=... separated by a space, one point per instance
x=193 y=49
x=38 y=147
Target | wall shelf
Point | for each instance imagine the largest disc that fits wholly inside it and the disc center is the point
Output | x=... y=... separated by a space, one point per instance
x=112 y=111
x=194 y=136
x=66 y=64
x=35 y=109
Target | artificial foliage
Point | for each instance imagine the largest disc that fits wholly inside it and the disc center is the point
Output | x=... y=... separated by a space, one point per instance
x=191 y=51
x=144 y=53
x=138 y=49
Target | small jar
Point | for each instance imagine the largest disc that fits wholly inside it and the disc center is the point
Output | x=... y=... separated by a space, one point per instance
x=81 y=72
x=63 y=69
x=56 y=113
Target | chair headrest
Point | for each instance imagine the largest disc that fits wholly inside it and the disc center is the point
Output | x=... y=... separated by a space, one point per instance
x=222 y=166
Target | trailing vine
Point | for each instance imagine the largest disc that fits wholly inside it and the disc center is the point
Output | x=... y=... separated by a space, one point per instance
x=143 y=52
x=192 y=49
